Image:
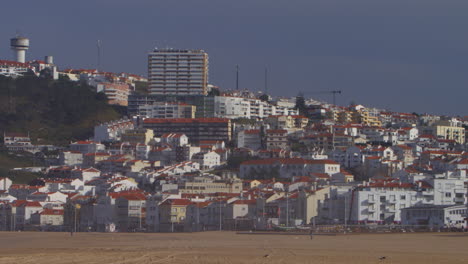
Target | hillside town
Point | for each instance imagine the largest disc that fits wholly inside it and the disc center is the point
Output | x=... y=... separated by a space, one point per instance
x=190 y=156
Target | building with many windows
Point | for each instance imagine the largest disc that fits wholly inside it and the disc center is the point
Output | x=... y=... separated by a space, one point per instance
x=196 y=129
x=178 y=72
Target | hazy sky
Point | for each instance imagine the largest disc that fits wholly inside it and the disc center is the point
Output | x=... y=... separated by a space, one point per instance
x=404 y=55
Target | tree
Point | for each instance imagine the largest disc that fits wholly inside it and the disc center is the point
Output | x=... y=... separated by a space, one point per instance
x=264 y=97
x=300 y=104
x=214 y=92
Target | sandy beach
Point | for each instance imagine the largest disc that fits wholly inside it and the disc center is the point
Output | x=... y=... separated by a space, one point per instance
x=229 y=247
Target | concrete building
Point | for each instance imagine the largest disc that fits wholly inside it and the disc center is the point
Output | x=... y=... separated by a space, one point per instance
x=178 y=72
x=139 y=135
x=167 y=110
x=382 y=201
x=277 y=139
x=250 y=138
x=196 y=129
x=231 y=107
x=20 y=45
x=435 y=216
x=203 y=185
x=71 y=158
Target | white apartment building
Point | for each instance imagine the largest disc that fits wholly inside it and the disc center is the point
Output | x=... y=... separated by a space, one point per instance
x=112 y=131
x=382 y=201
x=231 y=107
x=207 y=160
x=13 y=68
x=250 y=138
x=178 y=72
x=167 y=110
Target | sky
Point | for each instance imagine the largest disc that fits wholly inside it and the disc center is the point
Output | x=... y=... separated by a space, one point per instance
x=401 y=55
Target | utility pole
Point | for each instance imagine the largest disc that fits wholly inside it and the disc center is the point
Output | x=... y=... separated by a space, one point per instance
x=220 y=221
x=74 y=224
x=140 y=217
x=99 y=55
x=345 y=211
x=237 y=77
x=287 y=208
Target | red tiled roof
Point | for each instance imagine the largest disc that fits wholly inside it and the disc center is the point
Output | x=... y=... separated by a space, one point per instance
x=177 y=202
x=276 y=131
x=252 y=131
x=245 y=202
x=52 y=212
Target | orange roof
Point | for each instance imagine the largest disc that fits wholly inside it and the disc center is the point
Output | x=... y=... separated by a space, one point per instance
x=52 y=212
x=177 y=202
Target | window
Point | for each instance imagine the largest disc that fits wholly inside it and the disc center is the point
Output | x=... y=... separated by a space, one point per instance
x=448 y=195
x=403 y=197
x=382 y=199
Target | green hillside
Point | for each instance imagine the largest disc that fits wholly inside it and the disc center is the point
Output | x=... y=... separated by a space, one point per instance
x=52 y=112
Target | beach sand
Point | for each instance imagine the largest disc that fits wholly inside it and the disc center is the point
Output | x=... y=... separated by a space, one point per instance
x=229 y=247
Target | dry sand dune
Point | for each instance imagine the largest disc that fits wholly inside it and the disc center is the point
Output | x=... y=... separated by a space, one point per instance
x=228 y=247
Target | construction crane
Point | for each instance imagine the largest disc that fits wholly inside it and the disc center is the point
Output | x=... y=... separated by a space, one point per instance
x=333 y=92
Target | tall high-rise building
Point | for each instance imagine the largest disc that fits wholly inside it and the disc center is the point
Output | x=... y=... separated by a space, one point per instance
x=178 y=72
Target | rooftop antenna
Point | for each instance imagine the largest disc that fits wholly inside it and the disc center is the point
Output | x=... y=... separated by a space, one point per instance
x=266 y=80
x=237 y=77
x=99 y=55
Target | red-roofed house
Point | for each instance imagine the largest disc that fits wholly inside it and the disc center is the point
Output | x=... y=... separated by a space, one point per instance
x=22 y=210
x=49 y=219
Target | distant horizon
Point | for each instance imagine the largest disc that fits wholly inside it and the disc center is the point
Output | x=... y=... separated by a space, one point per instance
x=400 y=56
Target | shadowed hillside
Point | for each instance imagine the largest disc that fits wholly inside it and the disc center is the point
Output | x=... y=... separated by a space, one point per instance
x=52 y=112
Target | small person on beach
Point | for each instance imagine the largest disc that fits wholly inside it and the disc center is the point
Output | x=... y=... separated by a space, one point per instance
x=311 y=235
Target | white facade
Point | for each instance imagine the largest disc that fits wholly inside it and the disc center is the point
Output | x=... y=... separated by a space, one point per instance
x=207 y=160
x=167 y=110
x=5 y=184
x=249 y=139
x=112 y=131
x=382 y=202
x=71 y=158
x=231 y=107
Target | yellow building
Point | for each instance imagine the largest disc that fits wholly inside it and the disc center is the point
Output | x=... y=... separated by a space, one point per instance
x=173 y=213
x=211 y=187
x=134 y=136
x=450 y=132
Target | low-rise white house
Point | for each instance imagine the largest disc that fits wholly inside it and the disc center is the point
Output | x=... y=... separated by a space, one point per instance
x=207 y=160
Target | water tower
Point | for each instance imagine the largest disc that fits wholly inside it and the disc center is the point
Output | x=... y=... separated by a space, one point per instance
x=20 y=45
